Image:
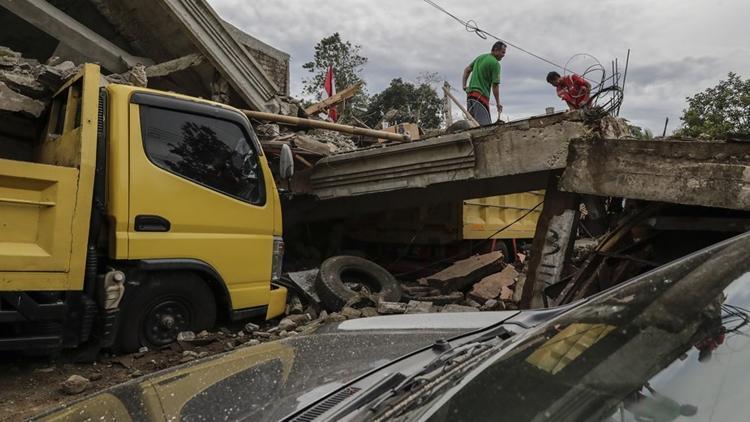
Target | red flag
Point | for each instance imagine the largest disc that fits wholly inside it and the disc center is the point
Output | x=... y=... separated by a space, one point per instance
x=330 y=87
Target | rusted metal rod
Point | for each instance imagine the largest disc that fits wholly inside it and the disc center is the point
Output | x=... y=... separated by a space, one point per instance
x=271 y=117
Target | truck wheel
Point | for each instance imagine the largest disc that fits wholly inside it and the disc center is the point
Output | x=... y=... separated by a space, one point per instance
x=163 y=306
x=341 y=278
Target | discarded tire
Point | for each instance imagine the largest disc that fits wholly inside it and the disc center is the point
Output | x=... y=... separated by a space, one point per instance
x=340 y=276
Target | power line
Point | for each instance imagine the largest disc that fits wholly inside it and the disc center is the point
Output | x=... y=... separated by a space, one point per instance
x=472 y=26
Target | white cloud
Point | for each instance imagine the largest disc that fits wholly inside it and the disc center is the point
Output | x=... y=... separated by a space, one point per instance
x=678 y=47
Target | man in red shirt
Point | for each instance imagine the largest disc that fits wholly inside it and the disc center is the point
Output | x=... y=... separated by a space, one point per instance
x=573 y=89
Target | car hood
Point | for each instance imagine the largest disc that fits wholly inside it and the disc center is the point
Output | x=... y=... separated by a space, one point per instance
x=272 y=380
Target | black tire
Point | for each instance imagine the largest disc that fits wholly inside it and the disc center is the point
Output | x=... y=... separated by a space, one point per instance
x=338 y=271
x=163 y=305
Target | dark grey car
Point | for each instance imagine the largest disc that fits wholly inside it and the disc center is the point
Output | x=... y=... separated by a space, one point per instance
x=670 y=344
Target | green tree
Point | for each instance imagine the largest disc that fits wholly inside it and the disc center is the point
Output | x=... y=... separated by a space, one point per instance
x=403 y=102
x=640 y=133
x=347 y=66
x=719 y=111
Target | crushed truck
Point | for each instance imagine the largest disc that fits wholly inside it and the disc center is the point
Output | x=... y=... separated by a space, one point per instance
x=140 y=215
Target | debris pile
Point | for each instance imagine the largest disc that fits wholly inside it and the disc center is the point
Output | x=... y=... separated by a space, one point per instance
x=26 y=85
x=482 y=282
x=308 y=146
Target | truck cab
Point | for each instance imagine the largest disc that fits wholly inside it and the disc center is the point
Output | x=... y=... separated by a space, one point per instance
x=143 y=214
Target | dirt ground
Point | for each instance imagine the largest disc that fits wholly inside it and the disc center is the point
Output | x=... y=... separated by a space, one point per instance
x=30 y=385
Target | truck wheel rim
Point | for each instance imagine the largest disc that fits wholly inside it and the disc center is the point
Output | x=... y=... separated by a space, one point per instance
x=165 y=320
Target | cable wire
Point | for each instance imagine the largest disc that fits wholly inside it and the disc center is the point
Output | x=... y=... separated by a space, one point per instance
x=472 y=26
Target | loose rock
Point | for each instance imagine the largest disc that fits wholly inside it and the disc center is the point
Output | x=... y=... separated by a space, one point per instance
x=418 y=307
x=186 y=336
x=494 y=285
x=250 y=327
x=350 y=313
x=465 y=272
x=388 y=308
x=458 y=308
x=369 y=312
x=287 y=324
x=75 y=384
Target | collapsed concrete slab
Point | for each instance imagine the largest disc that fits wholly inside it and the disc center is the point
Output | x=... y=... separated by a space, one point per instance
x=706 y=173
x=465 y=272
x=495 y=160
x=120 y=35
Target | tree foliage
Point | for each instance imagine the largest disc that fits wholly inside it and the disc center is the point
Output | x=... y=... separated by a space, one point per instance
x=347 y=66
x=719 y=111
x=404 y=102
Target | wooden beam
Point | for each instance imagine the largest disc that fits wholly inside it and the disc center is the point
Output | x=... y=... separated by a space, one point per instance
x=334 y=99
x=271 y=117
x=472 y=121
x=175 y=65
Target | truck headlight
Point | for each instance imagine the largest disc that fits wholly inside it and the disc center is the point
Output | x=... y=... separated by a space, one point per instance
x=278 y=257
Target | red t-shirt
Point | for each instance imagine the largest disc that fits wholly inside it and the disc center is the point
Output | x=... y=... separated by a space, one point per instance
x=572 y=89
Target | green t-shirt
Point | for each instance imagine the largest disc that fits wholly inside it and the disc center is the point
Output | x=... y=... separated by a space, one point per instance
x=485 y=71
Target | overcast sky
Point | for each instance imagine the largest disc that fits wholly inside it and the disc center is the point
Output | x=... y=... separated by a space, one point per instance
x=677 y=47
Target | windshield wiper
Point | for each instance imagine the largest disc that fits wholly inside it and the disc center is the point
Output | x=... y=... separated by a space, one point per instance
x=393 y=391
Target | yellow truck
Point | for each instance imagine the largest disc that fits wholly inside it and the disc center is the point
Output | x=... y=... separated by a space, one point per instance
x=142 y=214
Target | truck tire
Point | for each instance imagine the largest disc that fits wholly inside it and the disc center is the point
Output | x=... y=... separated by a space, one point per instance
x=163 y=305
x=339 y=275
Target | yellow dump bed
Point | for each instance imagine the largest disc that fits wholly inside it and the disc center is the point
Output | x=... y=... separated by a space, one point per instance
x=45 y=204
x=482 y=217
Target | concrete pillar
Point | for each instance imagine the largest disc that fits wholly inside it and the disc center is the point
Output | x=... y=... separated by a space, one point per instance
x=553 y=243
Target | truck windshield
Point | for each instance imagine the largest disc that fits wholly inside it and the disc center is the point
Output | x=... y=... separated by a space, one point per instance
x=672 y=344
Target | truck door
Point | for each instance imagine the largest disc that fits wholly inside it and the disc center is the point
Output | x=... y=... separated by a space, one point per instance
x=197 y=192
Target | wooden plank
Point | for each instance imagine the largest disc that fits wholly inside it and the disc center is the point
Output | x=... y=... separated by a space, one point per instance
x=334 y=99
x=468 y=116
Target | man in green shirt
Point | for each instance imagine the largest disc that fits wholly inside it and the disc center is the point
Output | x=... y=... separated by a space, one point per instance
x=485 y=74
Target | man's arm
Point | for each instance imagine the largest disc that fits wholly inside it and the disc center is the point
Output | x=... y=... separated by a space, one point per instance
x=465 y=78
x=496 y=94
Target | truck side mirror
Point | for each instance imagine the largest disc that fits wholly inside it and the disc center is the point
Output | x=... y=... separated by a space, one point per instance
x=286 y=163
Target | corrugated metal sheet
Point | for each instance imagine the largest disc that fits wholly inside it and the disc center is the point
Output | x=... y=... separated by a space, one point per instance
x=484 y=216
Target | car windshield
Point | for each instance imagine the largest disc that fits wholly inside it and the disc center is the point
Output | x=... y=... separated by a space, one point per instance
x=671 y=344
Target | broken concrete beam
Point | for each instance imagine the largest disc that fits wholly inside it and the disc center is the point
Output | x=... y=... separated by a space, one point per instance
x=464 y=273
x=19 y=103
x=711 y=174
x=495 y=286
x=58 y=24
x=176 y=65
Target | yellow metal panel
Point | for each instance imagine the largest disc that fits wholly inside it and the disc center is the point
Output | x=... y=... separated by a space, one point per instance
x=276 y=302
x=86 y=168
x=234 y=237
x=484 y=216
x=118 y=162
x=31 y=281
x=36 y=213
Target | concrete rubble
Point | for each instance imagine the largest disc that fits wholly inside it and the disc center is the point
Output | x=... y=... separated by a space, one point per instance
x=465 y=273
x=26 y=85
